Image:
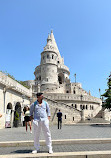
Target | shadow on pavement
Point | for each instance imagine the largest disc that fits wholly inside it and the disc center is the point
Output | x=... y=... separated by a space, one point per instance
x=27 y=151
x=100 y=125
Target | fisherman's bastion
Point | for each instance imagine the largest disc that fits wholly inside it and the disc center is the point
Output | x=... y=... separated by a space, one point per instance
x=51 y=78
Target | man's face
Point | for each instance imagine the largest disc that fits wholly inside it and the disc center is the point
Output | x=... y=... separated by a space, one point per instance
x=40 y=97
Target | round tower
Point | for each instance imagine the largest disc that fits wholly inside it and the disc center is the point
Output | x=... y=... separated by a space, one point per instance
x=49 y=75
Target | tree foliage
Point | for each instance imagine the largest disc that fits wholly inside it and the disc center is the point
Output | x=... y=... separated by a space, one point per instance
x=107 y=94
x=12 y=77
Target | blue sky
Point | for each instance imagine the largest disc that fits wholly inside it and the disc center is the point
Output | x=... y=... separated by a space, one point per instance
x=82 y=29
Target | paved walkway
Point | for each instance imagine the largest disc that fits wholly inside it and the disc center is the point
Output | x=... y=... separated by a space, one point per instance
x=67 y=132
x=57 y=148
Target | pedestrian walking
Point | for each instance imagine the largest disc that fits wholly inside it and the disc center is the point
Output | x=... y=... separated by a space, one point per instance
x=40 y=113
x=59 y=115
x=28 y=119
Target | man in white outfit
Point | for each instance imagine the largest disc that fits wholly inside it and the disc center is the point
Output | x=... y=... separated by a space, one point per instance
x=41 y=117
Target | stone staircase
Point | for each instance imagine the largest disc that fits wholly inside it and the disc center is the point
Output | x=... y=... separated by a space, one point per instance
x=99 y=115
x=98 y=119
x=69 y=114
x=95 y=121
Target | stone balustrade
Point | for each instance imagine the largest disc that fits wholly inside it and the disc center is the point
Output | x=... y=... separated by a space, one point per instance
x=74 y=97
x=10 y=83
x=63 y=67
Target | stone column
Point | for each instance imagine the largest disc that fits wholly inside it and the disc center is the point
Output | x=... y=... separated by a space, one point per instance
x=82 y=115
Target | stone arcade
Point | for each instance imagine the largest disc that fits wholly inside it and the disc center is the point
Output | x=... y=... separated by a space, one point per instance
x=13 y=97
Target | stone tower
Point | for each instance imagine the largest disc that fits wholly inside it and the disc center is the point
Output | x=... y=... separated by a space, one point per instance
x=51 y=74
x=49 y=77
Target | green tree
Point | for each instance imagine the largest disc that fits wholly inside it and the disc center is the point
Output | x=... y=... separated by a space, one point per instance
x=16 y=116
x=12 y=77
x=107 y=94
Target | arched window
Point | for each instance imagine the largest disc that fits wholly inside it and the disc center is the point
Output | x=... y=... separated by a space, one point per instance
x=67 y=91
x=65 y=116
x=72 y=105
x=47 y=56
x=9 y=106
x=60 y=79
x=86 y=107
x=90 y=107
x=80 y=106
x=83 y=106
x=75 y=106
x=52 y=56
x=74 y=92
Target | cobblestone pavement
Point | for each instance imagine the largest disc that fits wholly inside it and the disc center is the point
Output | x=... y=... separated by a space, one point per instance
x=67 y=132
x=57 y=148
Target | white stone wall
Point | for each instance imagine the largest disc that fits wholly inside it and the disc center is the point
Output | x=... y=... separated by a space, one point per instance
x=12 y=92
x=93 y=104
x=1 y=99
x=10 y=97
x=106 y=114
x=49 y=74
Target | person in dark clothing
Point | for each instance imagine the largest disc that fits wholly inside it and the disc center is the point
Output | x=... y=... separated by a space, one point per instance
x=59 y=115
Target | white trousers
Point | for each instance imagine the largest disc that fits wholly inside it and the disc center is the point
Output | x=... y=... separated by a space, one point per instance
x=45 y=128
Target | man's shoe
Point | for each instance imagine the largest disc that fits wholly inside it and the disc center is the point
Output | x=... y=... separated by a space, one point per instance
x=34 y=151
x=50 y=151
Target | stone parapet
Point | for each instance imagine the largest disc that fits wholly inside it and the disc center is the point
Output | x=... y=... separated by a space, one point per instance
x=64 y=67
x=10 y=83
x=74 y=97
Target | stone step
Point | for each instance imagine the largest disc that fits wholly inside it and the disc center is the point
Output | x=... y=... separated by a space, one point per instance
x=95 y=120
x=86 y=154
x=80 y=154
x=56 y=142
x=71 y=148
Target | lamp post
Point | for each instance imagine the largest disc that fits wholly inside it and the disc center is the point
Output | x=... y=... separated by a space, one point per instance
x=81 y=96
x=82 y=112
x=100 y=92
x=75 y=77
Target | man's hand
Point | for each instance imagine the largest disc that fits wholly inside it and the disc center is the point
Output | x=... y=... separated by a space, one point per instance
x=48 y=117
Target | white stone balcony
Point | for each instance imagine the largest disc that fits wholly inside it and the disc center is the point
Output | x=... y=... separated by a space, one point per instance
x=63 y=67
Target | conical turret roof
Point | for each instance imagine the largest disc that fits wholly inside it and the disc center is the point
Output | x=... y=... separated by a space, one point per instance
x=51 y=44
